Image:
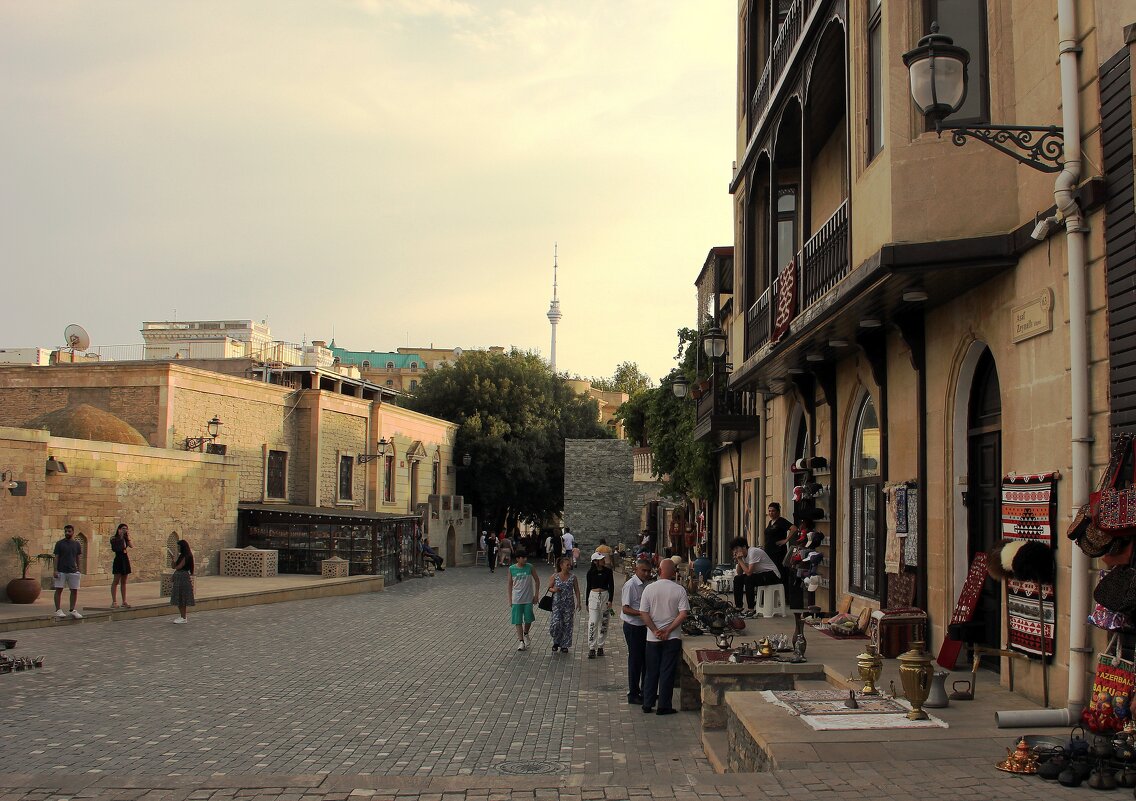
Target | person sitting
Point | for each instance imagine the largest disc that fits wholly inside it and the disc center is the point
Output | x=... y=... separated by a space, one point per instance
x=430 y=553
x=754 y=569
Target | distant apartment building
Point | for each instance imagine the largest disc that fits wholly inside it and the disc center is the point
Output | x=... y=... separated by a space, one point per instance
x=37 y=356
x=401 y=369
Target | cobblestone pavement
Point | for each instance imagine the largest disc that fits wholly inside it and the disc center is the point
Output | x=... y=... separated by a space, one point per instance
x=416 y=692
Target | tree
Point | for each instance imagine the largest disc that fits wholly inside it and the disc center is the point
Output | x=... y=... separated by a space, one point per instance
x=513 y=415
x=626 y=378
x=666 y=424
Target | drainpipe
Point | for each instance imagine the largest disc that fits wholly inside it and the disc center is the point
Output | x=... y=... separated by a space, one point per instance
x=1081 y=445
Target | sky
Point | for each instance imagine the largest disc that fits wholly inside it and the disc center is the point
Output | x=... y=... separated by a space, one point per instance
x=384 y=172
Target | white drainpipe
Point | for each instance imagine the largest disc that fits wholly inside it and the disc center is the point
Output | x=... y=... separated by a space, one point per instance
x=1081 y=446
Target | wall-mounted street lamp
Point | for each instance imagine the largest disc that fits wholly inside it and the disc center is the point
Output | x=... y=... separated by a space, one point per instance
x=680 y=386
x=714 y=343
x=937 y=68
x=214 y=429
x=382 y=446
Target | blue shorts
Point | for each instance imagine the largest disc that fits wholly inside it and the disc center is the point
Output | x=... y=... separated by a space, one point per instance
x=523 y=613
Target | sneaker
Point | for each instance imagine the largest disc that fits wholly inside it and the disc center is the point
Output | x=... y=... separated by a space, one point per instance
x=592 y=654
x=76 y=615
x=520 y=646
x=599 y=652
x=555 y=648
x=60 y=613
x=180 y=620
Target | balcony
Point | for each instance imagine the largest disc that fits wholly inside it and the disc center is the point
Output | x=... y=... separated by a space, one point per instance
x=820 y=265
x=788 y=37
x=725 y=414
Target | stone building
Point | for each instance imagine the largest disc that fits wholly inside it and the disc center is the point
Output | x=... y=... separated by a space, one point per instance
x=608 y=492
x=894 y=309
x=399 y=370
x=306 y=443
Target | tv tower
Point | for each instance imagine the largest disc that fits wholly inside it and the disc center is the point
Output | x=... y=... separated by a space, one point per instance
x=554 y=314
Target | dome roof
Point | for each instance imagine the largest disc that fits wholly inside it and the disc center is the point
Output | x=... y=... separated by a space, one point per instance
x=83 y=421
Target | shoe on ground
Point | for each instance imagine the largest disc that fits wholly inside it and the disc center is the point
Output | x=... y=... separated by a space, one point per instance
x=592 y=654
x=521 y=645
x=647 y=710
x=75 y=614
x=555 y=648
x=599 y=652
x=666 y=711
x=635 y=700
x=60 y=613
x=180 y=620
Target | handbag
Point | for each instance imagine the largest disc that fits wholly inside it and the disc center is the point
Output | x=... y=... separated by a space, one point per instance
x=545 y=603
x=1108 y=707
x=1090 y=539
x=1114 y=503
x=1116 y=590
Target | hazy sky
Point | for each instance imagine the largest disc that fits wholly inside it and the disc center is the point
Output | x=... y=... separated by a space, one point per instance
x=384 y=171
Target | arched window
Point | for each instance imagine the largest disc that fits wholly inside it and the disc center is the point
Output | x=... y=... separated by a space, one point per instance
x=413 y=385
x=365 y=364
x=414 y=367
x=865 y=552
x=390 y=383
x=390 y=365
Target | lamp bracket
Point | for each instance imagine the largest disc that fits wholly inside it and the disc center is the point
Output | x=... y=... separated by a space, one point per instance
x=1042 y=146
x=196 y=443
x=363 y=458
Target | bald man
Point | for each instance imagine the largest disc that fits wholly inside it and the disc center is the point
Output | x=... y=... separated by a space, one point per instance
x=662 y=608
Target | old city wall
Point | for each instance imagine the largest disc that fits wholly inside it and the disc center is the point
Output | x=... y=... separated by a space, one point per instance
x=600 y=497
x=342 y=435
x=154 y=491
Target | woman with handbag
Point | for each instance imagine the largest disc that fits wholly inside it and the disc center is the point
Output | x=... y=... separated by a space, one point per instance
x=565 y=592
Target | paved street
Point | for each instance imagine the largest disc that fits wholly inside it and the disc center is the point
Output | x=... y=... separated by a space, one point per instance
x=417 y=691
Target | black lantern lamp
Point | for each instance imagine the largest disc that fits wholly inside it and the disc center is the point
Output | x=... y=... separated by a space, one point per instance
x=714 y=343
x=214 y=429
x=467 y=460
x=937 y=68
x=680 y=386
x=938 y=75
x=363 y=458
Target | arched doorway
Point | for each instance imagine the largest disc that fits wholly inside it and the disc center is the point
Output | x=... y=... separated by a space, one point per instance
x=451 y=547
x=984 y=493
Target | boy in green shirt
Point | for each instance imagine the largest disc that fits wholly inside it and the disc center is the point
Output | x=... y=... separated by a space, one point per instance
x=523 y=582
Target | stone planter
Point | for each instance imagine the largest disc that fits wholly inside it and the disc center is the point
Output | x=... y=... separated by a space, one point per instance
x=23 y=590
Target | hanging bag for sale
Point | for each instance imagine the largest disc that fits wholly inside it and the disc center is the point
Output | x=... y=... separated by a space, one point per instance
x=1114 y=504
x=1108 y=707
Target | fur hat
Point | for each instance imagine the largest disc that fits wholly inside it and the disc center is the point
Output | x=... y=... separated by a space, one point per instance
x=1024 y=560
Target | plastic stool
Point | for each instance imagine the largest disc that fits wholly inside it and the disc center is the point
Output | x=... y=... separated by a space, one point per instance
x=480 y=558
x=771 y=601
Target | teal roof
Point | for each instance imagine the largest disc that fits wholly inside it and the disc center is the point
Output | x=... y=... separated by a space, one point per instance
x=377 y=359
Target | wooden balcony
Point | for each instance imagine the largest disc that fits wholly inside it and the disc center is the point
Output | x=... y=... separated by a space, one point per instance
x=725 y=414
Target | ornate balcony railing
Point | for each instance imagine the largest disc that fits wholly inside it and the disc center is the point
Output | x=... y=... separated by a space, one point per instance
x=783 y=47
x=824 y=258
x=757 y=324
x=718 y=400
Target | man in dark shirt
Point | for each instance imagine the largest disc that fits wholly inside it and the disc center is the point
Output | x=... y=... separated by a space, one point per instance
x=67 y=553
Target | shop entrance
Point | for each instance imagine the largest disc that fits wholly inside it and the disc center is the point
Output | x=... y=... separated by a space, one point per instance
x=984 y=494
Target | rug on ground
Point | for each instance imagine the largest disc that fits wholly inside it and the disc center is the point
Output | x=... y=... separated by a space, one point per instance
x=825 y=710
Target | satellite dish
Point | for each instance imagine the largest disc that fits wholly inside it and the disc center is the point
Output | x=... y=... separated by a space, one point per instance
x=457 y=353
x=76 y=337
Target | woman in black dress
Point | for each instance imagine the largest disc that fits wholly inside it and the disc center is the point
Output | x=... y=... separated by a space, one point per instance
x=120 y=568
x=181 y=595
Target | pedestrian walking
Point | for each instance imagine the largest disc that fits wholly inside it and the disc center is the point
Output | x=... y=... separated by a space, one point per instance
x=663 y=607
x=635 y=630
x=548 y=548
x=120 y=566
x=600 y=589
x=181 y=594
x=491 y=553
x=565 y=591
x=67 y=553
x=569 y=543
x=523 y=583
x=505 y=550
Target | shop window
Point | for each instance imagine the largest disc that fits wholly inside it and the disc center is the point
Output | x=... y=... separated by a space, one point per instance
x=965 y=22
x=276 y=483
x=388 y=479
x=875 y=78
x=346 y=476
x=865 y=497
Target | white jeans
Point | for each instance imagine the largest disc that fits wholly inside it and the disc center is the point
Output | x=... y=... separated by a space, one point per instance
x=597 y=619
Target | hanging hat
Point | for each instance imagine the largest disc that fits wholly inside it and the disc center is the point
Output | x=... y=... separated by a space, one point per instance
x=798 y=493
x=1024 y=560
x=800 y=466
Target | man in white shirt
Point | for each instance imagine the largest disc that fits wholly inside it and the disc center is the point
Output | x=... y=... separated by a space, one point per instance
x=569 y=543
x=754 y=569
x=663 y=607
x=635 y=630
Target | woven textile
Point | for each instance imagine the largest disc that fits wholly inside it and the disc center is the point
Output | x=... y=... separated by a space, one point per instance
x=1029 y=505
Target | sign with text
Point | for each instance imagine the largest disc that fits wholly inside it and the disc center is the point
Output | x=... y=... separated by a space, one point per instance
x=1033 y=317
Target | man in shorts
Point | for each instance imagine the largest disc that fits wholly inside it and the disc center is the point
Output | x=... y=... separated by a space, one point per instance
x=523 y=583
x=67 y=553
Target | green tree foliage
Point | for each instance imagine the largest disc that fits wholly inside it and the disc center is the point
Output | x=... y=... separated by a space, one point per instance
x=626 y=378
x=666 y=424
x=513 y=416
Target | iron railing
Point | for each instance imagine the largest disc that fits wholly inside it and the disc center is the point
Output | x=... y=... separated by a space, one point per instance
x=824 y=258
x=789 y=35
x=718 y=399
x=757 y=324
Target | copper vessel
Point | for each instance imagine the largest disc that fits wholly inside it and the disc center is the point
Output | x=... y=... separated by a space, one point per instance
x=915 y=672
x=870 y=666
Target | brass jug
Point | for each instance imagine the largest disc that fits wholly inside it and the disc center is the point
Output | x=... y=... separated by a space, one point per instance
x=870 y=666
x=915 y=672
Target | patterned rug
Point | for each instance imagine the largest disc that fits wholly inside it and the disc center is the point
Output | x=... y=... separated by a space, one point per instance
x=1029 y=506
x=824 y=710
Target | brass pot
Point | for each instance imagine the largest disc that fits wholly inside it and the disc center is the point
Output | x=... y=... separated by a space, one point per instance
x=870 y=666
x=915 y=673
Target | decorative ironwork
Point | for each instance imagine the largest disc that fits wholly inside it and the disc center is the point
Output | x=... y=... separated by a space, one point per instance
x=1043 y=146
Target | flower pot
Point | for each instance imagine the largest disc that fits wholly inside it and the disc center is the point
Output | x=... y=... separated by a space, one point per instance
x=23 y=590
